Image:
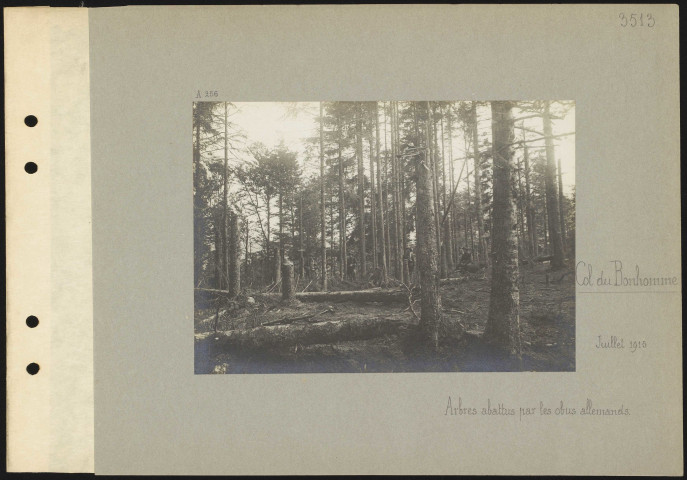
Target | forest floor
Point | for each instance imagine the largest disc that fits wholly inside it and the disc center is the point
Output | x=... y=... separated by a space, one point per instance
x=547 y=318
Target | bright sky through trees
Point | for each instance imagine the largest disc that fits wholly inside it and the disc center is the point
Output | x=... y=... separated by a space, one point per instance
x=273 y=122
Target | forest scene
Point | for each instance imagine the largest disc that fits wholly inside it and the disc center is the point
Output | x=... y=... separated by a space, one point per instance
x=387 y=236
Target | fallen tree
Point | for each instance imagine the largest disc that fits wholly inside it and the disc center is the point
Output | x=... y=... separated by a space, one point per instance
x=288 y=336
x=360 y=296
x=302 y=318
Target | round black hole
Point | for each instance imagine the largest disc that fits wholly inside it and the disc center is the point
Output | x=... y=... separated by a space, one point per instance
x=32 y=321
x=31 y=167
x=30 y=121
x=32 y=368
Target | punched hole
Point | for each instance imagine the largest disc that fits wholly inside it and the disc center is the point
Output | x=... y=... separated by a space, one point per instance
x=30 y=121
x=32 y=321
x=32 y=368
x=30 y=167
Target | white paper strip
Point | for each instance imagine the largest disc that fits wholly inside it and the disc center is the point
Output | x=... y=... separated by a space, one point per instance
x=49 y=414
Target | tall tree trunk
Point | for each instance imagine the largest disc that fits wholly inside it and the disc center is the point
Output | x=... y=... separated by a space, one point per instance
x=446 y=230
x=379 y=191
x=561 y=204
x=531 y=221
x=271 y=277
x=301 y=249
x=419 y=142
x=373 y=206
x=452 y=215
x=481 y=241
x=342 y=213
x=276 y=268
x=503 y=323
x=332 y=224
x=552 y=210
x=469 y=218
x=403 y=196
x=248 y=276
x=441 y=204
x=387 y=228
x=292 y=243
x=225 y=263
x=218 y=258
x=361 y=189
x=289 y=288
x=427 y=256
x=281 y=227
x=466 y=214
x=521 y=213
x=434 y=162
x=400 y=197
x=280 y=251
x=398 y=252
x=323 y=247
x=545 y=222
x=234 y=249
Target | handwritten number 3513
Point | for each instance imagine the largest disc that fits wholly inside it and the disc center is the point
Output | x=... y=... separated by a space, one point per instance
x=637 y=20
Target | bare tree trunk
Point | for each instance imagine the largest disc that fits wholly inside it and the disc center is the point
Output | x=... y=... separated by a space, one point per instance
x=387 y=230
x=503 y=323
x=561 y=204
x=521 y=214
x=398 y=257
x=276 y=266
x=282 y=254
x=288 y=287
x=545 y=222
x=218 y=259
x=301 y=250
x=469 y=218
x=361 y=189
x=432 y=143
x=373 y=206
x=234 y=253
x=531 y=221
x=332 y=224
x=481 y=242
x=427 y=257
x=448 y=244
x=358 y=296
x=292 y=243
x=552 y=209
x=379 y=190
x=248 y=276
x=277 y=337
x=452 y=215
x=225 y=263
x=323 y=248
x=394 y=201
x=401 y=196
x=465 y=222
x=402 y=181
x=342 y=215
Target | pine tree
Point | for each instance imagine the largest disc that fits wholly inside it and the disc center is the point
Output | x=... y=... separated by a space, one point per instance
x=503 y=323
x=553 y=211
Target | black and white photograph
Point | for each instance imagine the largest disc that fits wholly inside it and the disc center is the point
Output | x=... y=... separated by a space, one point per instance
x=383 y=236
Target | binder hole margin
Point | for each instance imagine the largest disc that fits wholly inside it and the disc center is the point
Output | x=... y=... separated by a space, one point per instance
x=33 y=368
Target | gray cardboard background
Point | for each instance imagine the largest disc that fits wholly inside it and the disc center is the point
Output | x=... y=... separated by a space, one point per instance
x=153 y=415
